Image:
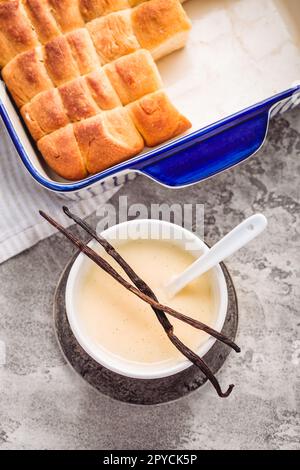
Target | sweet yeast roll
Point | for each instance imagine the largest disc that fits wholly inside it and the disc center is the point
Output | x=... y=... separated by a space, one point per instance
x=134 y=76
x=113 y=35
x=67 y=14
x=40 y=14
x=107 y=139
x=161 y=27
x=102 y=90
x=59 y=61
x=16 y=33
x=83 y=50
x=45 y=113
x=91 y=9
x=157 y=119
x=26 y=76
x=134 y=3
x=61 y=152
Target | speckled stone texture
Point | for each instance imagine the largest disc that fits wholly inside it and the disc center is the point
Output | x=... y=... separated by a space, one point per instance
x=44 y=404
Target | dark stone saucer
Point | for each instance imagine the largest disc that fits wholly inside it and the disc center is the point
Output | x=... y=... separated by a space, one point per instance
x=134 y=391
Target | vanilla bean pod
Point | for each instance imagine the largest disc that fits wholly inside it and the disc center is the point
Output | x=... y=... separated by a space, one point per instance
x=159 y=309
x=141 y=284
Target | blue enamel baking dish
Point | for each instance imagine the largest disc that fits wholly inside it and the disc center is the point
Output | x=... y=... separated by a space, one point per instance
x=202 y=80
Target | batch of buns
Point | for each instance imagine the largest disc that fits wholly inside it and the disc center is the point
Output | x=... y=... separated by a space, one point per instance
x=84 y=76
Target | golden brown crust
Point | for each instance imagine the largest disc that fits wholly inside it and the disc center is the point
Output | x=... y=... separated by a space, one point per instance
x=107 y=139
x=134 y=76
x=26 y=76
x=91 y=9
x=59 y=61
x=67 y=14
x=77 y=100
x=83 y=50
x=134 y=3
x=101 y=90
x=44 y=114
x=16 y=33
x=6 y=53
x=157 y=119
x=157 y=21
x=42 y=19
x=61 y=152
x=113 y=36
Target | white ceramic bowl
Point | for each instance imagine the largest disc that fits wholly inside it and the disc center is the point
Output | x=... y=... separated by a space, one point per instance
x=153 y=229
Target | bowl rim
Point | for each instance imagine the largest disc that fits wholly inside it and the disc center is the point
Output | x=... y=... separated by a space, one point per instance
x=108 y=359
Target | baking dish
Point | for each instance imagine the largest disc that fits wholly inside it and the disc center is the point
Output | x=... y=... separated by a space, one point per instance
x=242 y=61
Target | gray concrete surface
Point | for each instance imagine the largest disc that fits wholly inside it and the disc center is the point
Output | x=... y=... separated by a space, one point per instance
x=44 y=404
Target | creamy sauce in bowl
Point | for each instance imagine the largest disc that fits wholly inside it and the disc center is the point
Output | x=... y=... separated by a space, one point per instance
x=116 y=320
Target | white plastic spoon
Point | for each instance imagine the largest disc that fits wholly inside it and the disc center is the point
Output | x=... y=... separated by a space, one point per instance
x=236 y=239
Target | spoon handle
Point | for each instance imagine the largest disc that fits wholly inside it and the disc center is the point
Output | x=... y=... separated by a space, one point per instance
x=236 y=239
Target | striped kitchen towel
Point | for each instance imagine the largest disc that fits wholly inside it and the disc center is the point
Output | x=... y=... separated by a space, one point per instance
x=21 y=197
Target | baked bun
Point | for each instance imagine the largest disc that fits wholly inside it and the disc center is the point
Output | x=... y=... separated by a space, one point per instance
x=161 y=26
x=113 y=36
x=59 y=61
x=39 y=13
x=91 y=9
x=26 y=76
x=101 y=90
x=44 y=114
x=61 y=152
x=77 y=100
x=134 y=3
x=16 y=33
x=157 y=119
x=83 y=50
x=107 y=139
x=67 y=14
x=134 y=76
